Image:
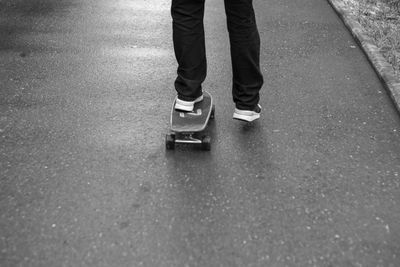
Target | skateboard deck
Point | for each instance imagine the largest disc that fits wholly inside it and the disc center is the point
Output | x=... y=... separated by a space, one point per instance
x=186 y=125
x=194 y=121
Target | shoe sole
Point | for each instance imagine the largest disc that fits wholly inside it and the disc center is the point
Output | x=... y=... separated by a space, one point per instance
x=245 y=115
x=247 y=118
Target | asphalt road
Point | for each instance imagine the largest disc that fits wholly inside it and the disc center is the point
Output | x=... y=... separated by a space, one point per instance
x=86 y=88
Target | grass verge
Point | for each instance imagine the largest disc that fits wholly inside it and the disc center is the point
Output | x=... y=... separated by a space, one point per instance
x=380 y=20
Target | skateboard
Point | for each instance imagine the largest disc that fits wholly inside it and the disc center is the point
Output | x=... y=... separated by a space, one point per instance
x=187 y=127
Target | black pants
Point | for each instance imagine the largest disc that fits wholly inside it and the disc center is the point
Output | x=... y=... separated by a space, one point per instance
x=190 y=52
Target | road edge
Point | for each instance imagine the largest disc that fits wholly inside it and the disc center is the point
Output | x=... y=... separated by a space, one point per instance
x=382 y=68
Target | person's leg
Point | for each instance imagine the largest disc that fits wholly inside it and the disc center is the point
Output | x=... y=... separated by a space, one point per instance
x=245 y=53
x=189 y=47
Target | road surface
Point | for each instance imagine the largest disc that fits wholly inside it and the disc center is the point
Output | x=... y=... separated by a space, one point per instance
x=85 y=97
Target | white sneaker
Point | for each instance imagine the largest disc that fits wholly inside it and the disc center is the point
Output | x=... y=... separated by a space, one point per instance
x=188 y=106
x=247 y=115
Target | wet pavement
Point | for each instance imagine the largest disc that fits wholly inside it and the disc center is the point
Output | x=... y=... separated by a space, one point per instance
x=85 y=180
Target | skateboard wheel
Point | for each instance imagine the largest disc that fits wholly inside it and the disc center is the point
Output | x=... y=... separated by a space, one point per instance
x=212 y=115
x=170 y=141
x=206 y=143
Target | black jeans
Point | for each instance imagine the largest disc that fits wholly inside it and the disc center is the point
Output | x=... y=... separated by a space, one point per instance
x=190 y=52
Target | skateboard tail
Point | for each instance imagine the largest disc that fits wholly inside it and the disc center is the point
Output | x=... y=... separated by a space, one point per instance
x=194 y=121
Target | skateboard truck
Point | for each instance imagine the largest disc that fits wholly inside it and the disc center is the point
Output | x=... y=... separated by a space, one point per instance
x=187 y=138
